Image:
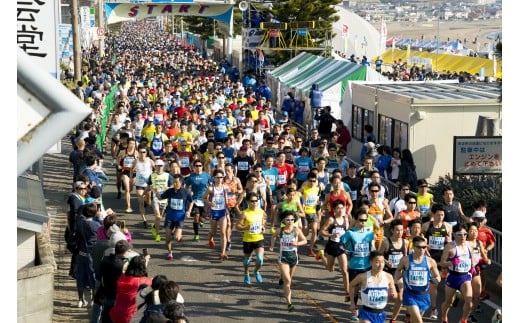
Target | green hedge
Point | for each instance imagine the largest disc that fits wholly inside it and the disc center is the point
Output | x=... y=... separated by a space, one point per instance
x=109 y=104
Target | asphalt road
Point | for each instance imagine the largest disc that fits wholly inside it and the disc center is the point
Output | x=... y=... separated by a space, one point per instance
x=214 y=290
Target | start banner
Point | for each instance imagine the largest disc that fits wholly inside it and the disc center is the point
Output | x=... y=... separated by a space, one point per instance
x=117 y=12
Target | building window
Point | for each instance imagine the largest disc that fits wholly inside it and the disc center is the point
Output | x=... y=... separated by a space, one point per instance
x=360 y=118
x=392 y=132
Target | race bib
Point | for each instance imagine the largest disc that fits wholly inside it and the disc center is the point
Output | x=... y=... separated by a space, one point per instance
x=437 y=243
x=157 y=145
x=255 y=228
x=220 y=202
x=128 y=161
x=282 y=179
x=185 y=162
x=243 y=165
x=377 y=297
x=222 y=128
x=417 y=278
x=361 y=249
x=177 y=204
x=311 y=201
x=394 y=259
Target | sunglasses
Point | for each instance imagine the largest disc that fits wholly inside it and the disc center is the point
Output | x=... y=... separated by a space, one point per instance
x=289 y=220
x=143 y=152
x=198 y=165
x=412 y=202
x=420 y=247
x=362 y=220
x=459 y=234
x=219 y=176
x=253 y=201
x=221 y=157
x=374 y=191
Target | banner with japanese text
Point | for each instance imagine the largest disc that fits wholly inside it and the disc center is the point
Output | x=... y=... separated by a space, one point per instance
x=477 y=155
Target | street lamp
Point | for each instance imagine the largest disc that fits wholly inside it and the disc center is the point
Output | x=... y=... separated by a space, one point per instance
x=438 y=12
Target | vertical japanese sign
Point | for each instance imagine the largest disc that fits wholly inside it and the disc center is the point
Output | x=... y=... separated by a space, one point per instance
x=84 y=17
x=477 y=155
x=36 y=32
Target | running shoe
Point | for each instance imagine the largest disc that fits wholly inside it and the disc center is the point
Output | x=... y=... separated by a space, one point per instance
x=170 y=256
x=201 y=224
x=145 y=224
x=280 y=281
x=354 y=316
x=484 y=295
x=434 y=314
x=290 y=307
x=223 y=256
x=154 y=231
x=196 y=238
x=247 y=279
x=478 y=309
x=258 y=277
x=211 y=243
x=347 y=297
x=320 y=254
x=228 y=246
x=129 y=210
x=158 y=238
x=273 y=230
x=82 y=303
x=312 y=253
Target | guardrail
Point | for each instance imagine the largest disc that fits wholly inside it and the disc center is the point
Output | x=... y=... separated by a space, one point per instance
x=495 y=254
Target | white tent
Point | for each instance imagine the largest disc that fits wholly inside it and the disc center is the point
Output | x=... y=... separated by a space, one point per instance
x=332 y=76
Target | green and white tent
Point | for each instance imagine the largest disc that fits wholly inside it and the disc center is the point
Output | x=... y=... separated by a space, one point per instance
x=332 y=76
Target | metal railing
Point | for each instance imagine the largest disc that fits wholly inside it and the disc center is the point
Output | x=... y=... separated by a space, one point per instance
x=495 y=254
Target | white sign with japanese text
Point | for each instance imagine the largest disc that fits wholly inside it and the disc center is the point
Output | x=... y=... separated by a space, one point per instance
x=477 y=155
x=36 y=32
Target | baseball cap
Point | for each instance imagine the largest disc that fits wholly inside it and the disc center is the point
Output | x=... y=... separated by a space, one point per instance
x=285 y=113
x=478 y=215
x=243 y=148
x=159 y=162
x=128 y=120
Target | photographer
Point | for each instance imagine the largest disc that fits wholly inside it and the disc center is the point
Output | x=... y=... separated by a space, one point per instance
x=326 y=120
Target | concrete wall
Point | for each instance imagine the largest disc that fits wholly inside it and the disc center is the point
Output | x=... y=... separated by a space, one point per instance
x=26 y=248
x=35 y=285
x=35 y=294
x=431 y=139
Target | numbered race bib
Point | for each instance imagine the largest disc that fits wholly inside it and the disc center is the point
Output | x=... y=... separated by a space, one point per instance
x=361 y=249
x=304 y=168
x=377 y=297
x=437 y=243
x=243 y=165
x=282 y=179
x=271 y=179
x=220 y=202
x=177 y=204
x=287 y=241
x=311 y=201
x=394 y=259
x=463 y=266
x=417 y=278
x=340 y=231
x=199 y=203
x=157 y=145
x=128 y=161
x=353 y=195
x=185 y=162
x=222 y=128
x=141 y=180
x=255 y=228
x=424 y=209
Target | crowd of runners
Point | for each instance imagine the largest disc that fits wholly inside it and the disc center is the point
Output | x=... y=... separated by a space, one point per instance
x=189 y=142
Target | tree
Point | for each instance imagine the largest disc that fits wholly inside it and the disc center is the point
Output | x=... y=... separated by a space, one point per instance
x=322 y=12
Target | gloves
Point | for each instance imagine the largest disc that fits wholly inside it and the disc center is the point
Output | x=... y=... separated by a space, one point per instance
x=455 y=260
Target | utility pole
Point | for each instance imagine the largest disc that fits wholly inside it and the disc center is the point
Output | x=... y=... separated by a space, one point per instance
x=76 y=41
x=101 y=21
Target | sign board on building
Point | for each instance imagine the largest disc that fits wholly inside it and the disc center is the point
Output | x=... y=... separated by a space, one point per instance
x=473 y=155
x=65 y=43
x=36 y=33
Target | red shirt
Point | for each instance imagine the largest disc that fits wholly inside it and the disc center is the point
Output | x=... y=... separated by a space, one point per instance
x=180 y=111
x=486 y=236
x=185 y=160
x=285 y=173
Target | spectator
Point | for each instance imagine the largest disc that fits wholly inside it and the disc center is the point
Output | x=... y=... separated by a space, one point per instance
x=407 y=173
x=344 y=137
x=326 y=120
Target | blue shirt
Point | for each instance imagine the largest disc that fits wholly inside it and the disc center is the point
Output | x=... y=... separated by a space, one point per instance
x=358 y=244
x=178 y=200
x=229 y=153
x=304 y=167
x=417 y=277
x=272 y=176
x=220 y=125
x=199 y=183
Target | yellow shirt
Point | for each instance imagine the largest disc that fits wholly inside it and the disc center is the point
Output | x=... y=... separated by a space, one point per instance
x=145 y=133
x=255 y=220
x=254 y=114
x=188 y=137
x=424 y=202
x=311 y=196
